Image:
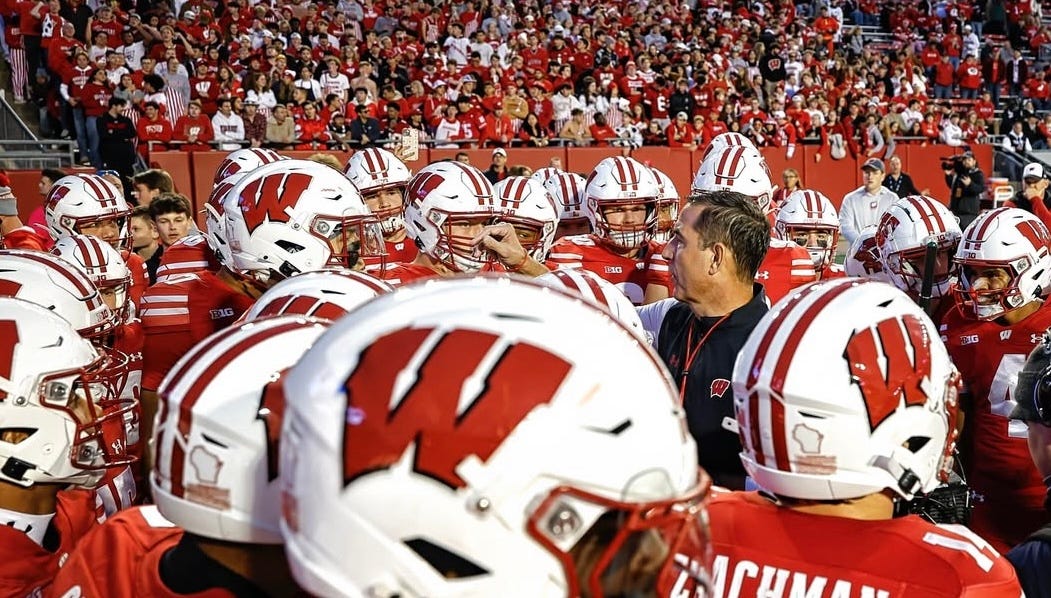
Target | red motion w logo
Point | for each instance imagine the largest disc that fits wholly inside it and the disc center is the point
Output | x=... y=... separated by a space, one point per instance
x=429 y=415
x=903 y=379
x=266 y=198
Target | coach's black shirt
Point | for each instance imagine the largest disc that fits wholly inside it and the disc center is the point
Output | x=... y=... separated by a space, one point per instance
x=708 y=397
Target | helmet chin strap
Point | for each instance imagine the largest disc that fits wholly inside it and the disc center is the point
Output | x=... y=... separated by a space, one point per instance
x=907 y=480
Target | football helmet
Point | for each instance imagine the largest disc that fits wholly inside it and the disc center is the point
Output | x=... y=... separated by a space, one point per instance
x=58 y=285
x=216 y=439
x=736 y=168
x=862 y=259
x=443 y=194
x=87 y=200
x=525 y=204
x=541 y=175
x=725 y=140
x=327 y=294
x=406 y=403
x=59 y=394
x=103 y=265
x=215 y=219
x=844 y=389
x=567 y=191
x=620 y=183
x=374 y=170
x=598 y=291
x=1011 y=240
x=667 y=206
x=808 y=219
x=295 y=216
x=902 y=235
x=244 y=160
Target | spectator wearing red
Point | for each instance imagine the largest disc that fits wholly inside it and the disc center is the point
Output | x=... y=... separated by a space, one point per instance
x=535 y=56
x=994 y=74
x=94 y=101
x=1038 y=90
x=311 y=130
x=657 y=99
x=472 y=122
x=106 y=22
x=205 y=88
x=194 y=129
x=700 y=131
x=632 y=85
x=827 y=27
x=30 y=22
x=679 y=133
x=601 y=132
x=929 y=129
x=393 y=124
x=153 y=127
x=944 y=78
x=540 y=104
x=969 y=76
x=499 y=130
x=984 y=107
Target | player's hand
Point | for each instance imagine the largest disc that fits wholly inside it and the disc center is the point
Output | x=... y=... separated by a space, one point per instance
x=502 y=240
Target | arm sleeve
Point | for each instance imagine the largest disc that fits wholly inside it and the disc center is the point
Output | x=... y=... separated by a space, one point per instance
x=847 y=227
x=652 y=316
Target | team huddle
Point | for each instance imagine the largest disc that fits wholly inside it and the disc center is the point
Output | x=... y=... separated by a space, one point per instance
x=380 y=382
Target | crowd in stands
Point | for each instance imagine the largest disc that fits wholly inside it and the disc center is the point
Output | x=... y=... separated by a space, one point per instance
x=490 y=73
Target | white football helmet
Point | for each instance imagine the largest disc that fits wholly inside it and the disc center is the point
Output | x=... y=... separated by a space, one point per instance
x=902 y=235
x=1010 y=239
x=103 y=265
x=862 y=259
x=809 y=219
x=844 y=389
x=58 y=285
x=567 y=191
x=60 y=394
x=374 y=170
x=87 y=200
x=443 y=193
x=620 y=183
x=243 y=161
x=216 y=438
x=725 y=140
x=525 y=204
x=405 y=403
x=667 y=206
x=598 y=291
x=541 y=175
x=215 y=217
x=295 y=216
x=327 y=294
x=736 y=168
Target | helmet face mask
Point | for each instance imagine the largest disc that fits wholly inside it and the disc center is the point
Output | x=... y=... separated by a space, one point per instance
x=88 y=204
x=60 y=425
x=808 y=219
x=104 y=266
x=507 y=508
x=667 y=207
x=295 y=216
x=447 y=203
x=871 y=407
x=382 y=178
x=526 y=205
x=1005 y=263
x=621 y=199
x=903 y=233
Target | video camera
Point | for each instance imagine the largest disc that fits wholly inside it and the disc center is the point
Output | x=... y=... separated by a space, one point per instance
x=954 y=163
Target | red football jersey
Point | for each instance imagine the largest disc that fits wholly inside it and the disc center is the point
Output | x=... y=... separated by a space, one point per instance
x=26 y=568
x=989 y=356
x=764 y=550
x=399 y=274
x=140 y=277
x=24 y=237
x=631 y=275
x=180 y=312
x=133 y=542
x=187 y=255
x=832 y=271
x=785 y=267
x=400 y=252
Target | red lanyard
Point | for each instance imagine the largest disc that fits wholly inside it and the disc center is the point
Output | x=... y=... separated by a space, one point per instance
x=691 y=353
